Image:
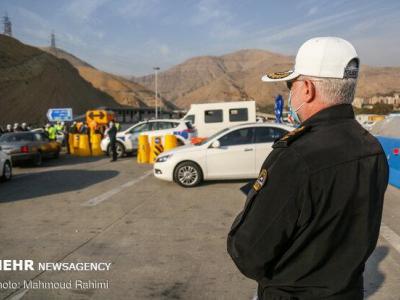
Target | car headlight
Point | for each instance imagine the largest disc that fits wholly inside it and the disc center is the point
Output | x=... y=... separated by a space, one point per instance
x=163 y=158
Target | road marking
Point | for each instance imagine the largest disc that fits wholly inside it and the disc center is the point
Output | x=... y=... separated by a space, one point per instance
x=391 y=237
x=107 y=195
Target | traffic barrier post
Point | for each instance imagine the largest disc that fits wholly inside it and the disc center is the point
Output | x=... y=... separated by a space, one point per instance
x=143 y=151
x=76 y=144
x=155 y=148
x=84 y=147
x=95 y=141
x=171 y=142
x=71 y=143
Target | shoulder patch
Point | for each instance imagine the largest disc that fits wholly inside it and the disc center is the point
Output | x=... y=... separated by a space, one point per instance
x=261 y=180
x=290 y=137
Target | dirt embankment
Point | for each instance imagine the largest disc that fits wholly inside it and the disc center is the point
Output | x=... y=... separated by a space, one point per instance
x=32 y=81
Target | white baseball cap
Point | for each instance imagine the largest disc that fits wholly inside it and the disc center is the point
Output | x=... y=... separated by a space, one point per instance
x=327 y=57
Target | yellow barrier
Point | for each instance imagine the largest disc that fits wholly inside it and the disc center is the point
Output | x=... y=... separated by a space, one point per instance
x=95 y=140
x=84 y=148
x=155 y=148
x=170 y=142
x=71 y=143
x=76 y=141
x=143 y=149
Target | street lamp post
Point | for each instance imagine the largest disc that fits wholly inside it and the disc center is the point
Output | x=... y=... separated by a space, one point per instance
x=156 y=69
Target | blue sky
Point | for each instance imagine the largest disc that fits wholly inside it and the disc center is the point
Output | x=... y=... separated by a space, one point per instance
x=129 y=37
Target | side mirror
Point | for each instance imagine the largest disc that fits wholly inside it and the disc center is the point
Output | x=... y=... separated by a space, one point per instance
x=216 y=144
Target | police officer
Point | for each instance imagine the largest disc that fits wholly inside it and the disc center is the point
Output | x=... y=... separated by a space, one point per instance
x=312 y=218
x=51 y=132
x=112 y=134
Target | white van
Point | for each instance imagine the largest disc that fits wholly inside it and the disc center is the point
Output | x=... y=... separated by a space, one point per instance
x=209 y=118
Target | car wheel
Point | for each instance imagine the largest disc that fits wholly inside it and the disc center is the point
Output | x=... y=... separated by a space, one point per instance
x=7 y=171
x=37 y=161
x=120 y=150
x=188 y=174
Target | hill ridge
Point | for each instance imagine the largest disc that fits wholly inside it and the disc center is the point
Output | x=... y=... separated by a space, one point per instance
x=237 y=75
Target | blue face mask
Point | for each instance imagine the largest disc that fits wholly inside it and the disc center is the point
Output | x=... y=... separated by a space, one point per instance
x=293 y=112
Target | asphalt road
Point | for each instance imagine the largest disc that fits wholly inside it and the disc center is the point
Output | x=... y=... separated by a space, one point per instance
x=164 y=242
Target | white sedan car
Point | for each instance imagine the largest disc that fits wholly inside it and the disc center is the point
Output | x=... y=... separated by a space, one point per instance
x=5 y=166
x=127 y=140
x=233 y=153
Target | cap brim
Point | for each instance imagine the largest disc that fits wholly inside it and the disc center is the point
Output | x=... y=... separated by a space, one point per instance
x=280 y=76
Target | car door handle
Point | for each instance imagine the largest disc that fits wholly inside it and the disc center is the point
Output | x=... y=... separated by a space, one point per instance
x=248 y=149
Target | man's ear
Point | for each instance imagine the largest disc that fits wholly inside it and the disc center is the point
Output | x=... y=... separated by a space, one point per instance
x=309 y=91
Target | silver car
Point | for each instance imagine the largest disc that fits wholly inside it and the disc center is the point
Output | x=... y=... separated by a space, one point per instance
x=29 y=146
x=5 y=166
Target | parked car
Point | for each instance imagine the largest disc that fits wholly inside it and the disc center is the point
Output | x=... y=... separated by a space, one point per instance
x=127 y=141
x=5 y=166
x=29 y=146
x=209 y=118
x=232 y=153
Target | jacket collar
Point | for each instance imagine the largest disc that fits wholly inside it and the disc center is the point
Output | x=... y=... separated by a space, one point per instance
x=336 y=112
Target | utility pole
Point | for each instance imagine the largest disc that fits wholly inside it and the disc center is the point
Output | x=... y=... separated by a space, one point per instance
x=156 y=69
x=53 y=40
x=7 y=25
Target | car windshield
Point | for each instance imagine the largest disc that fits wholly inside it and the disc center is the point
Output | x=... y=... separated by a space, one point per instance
x=19 y=137
x=212 y=137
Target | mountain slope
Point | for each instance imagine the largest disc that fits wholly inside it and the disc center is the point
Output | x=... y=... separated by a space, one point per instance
x=124 y=91
x=73 y=60
x=237 y=76
x=32 y=81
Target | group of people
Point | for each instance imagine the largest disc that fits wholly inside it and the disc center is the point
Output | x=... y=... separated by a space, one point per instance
x=90 y=128
x=53 y=129
x=16 y=128
x=93 y=128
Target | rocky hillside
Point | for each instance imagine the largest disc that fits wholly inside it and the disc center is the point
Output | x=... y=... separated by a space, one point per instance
x=378 y=81
x=73 y=60
x=32 y=81
x=238 y=75
x=124 y=91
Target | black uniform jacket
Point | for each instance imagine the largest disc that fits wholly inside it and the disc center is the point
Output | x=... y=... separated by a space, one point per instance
x=312 y=218
x=112 y=134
